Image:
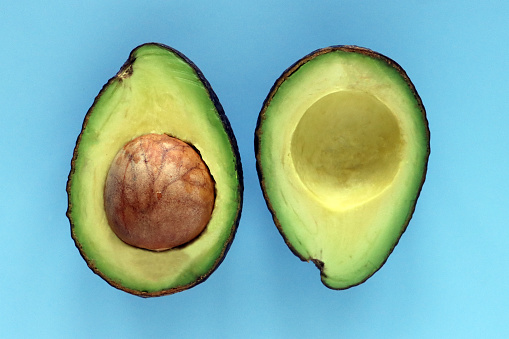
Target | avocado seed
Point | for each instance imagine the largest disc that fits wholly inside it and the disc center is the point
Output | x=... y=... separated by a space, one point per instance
x=159 y=193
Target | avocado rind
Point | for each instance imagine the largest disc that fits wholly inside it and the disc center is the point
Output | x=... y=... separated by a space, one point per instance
x=303 y=240
x=117 y=107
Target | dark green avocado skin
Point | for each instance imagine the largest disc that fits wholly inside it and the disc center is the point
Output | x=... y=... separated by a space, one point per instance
x=124 y=72
x=258 y=136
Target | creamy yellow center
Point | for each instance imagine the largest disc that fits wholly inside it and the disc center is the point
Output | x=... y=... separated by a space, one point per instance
x=347 y=148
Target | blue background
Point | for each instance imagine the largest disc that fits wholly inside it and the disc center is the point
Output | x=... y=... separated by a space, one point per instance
x=446 y=279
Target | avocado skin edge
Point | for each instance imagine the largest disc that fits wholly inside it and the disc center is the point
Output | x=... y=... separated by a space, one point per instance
x=258 y=136
x=124 y=72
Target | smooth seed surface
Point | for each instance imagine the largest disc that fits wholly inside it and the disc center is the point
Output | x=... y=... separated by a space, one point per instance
x=159 y=193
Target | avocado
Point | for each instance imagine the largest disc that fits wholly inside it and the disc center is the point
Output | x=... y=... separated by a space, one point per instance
x=342 y=145
x=156 y=186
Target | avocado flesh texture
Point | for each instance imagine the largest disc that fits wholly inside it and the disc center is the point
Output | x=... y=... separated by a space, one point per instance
x=156 y=91
x=342 y=150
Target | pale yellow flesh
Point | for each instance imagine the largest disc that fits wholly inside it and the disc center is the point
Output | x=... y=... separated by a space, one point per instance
x=346 y=149
x=163 y=95
x=342 y=159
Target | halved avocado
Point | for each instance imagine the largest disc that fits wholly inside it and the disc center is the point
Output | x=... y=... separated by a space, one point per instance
x=342 y=145
x=160 y=93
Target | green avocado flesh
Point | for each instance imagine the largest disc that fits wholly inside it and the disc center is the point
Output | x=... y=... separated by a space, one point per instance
x=342 y=146
x=158 y=90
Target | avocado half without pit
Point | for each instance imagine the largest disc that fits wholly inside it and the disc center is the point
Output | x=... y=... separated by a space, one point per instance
x=342 y=146
x=155 y=188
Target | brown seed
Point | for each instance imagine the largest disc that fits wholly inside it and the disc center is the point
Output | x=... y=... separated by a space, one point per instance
x=159 y=193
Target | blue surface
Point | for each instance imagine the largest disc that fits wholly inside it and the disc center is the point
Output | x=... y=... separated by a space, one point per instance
x=446 y=279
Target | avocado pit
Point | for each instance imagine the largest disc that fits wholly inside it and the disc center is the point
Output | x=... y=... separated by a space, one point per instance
x=159 y=193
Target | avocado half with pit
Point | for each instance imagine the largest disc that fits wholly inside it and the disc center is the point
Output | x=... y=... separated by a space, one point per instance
x=155 y=187
x=342 y=145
